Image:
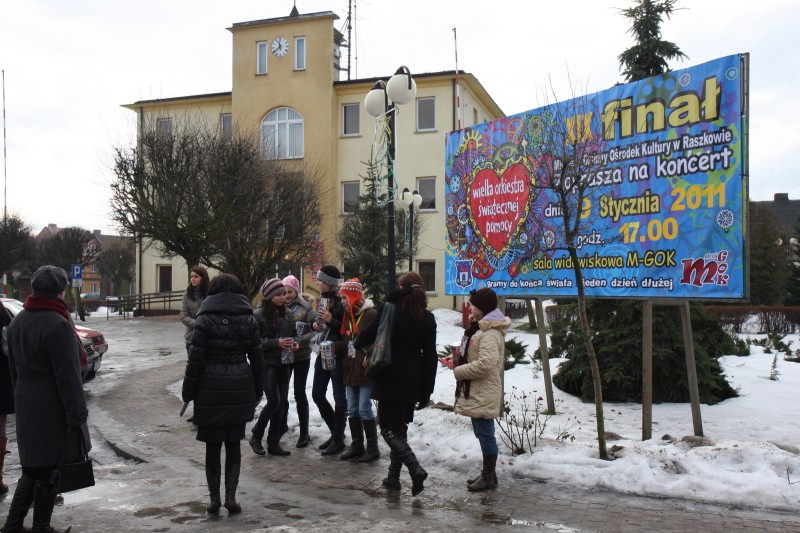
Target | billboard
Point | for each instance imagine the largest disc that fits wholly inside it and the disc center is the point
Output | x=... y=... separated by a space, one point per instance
x=663 y=162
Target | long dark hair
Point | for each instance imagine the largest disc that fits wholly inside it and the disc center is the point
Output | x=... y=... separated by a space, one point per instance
x=225 y=283
x=416 y=300
x=273 y=312
x=204 y=283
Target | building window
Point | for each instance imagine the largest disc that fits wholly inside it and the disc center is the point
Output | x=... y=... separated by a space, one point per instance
x=164 y=128
x=299 y=53
x=350 y=192
x=262 y=52
x=427 y=189
x=94 y=287
x=164 y=278
x=226 y=126
x=350 y=119
x=474 y=116
x=282 y=134
x=426 y=114
x=427 y=271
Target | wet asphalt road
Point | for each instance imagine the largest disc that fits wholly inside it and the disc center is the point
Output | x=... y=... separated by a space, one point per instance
x=150 y=476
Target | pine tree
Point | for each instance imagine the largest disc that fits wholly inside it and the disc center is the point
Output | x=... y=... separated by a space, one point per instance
x=649 y=56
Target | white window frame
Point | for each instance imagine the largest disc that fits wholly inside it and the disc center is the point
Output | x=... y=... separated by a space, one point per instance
x=282 y=131
x=420 y=189
x=357 y=119
x=262 y=57
x=300 y=53
x=432 y=287
x=226 y=126
x=346 y=185
x=419 y=121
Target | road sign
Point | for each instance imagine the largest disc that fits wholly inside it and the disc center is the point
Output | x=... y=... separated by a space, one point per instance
x=77 y=271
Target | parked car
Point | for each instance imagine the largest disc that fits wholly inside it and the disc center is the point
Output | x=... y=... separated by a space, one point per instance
x=94 y=343
x=90 y=296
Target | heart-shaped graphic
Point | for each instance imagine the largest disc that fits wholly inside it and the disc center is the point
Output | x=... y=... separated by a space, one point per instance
x=499 y=205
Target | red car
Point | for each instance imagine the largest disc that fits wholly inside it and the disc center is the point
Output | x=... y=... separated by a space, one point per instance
x=94 y=343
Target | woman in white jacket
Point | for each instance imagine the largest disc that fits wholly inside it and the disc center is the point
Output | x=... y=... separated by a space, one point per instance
x=479 y=377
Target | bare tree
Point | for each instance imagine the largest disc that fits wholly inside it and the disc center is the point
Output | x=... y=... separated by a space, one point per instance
x=217 y=201
x=116 y=263
x=568 y=148
x=69 y=246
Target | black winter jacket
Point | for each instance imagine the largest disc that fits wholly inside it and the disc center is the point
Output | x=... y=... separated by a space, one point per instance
x=412 y=375
x=270 y=334
x=45 y=365
x=224 y=387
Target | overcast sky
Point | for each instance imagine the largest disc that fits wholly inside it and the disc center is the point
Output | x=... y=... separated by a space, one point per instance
x=69 y=65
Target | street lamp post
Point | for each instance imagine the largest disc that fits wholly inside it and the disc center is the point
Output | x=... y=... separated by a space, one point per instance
x=412 y=201
x=382 y=100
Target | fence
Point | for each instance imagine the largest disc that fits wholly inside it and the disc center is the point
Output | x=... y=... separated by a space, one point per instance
x=150 y=304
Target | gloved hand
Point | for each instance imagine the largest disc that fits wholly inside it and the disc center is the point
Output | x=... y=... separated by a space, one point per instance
x=423 y=403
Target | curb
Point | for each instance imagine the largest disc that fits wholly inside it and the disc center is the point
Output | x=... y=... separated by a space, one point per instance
x=122 y=449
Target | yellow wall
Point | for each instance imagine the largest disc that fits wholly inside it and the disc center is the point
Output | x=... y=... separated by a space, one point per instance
x=313 y=93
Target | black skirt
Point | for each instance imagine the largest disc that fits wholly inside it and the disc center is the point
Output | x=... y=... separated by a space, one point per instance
x=234 y=432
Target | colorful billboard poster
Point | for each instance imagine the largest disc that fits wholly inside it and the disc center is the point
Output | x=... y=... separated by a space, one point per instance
x=663 y=167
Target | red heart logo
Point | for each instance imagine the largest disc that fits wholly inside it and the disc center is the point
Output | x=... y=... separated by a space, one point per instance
x=499 y=205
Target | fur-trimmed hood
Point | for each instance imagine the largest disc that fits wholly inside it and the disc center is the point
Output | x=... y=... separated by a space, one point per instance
x=495 y=319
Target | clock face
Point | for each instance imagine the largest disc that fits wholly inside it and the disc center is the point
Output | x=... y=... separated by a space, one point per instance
x=280 y=47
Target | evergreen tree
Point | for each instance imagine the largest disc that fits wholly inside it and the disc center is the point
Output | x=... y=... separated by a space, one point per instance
x=649 y=56
x=363 y=240
x=769 y=258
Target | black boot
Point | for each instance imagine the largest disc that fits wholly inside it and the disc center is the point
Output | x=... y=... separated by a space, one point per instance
x=274 y=446
x=231 y=482
x=488 y=477
x=357 y=436
x=44 y=499
x=337 y=438
x=213 y=475
x=399 y=445
x=372 y=453
x=255 y=442
x=20 y=505
x=304 y=439
x=392 y=479
x=330 y=420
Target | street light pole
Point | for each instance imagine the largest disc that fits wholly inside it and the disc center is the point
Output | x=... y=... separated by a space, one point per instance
x=412 y=201
x=381 y=101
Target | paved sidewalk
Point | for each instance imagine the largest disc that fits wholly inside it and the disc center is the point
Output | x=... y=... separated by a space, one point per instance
x=307 y=492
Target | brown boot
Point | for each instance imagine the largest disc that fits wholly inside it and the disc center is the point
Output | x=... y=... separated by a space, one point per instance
x=3 y=452
x=487 y=479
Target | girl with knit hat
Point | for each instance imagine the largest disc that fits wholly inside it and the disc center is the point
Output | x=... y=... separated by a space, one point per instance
x=479 y=379
x=303 y=314
x=358 y=314
x=329 y=324
x=277 y=336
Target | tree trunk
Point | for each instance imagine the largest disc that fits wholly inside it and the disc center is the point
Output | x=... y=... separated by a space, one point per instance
x=587 y=336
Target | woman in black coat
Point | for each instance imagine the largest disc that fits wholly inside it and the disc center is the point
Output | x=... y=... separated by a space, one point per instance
x=44 y=354
x=224 y=387
x=6 y=394
x=408 y=383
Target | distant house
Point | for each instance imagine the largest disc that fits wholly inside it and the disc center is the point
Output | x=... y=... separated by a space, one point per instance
x=786 y=212
x=93 y=281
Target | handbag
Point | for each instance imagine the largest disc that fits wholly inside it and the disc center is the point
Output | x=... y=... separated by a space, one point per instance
x=75 y=475
x=380 y=355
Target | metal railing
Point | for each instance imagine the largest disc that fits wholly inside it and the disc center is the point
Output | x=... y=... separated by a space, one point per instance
x=149 y=304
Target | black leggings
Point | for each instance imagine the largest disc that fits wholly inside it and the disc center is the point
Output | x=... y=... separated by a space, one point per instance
x=233 y=453
x=39 y=473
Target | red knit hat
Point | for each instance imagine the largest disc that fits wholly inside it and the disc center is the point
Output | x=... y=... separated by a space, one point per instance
x=353 y=291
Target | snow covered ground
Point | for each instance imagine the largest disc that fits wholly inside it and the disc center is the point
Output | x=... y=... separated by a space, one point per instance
x=753 y=460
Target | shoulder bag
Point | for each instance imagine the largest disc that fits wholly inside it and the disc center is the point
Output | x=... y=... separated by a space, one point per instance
x=380 y=355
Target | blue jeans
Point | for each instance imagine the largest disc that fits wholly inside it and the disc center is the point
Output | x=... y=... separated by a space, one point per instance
x=359 y=403
x=319 y=389
x=484 y=430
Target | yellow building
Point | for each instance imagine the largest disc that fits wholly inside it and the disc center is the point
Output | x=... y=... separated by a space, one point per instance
x=286 y=79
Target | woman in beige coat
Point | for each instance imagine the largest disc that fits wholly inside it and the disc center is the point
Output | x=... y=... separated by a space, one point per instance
x=479 y=377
